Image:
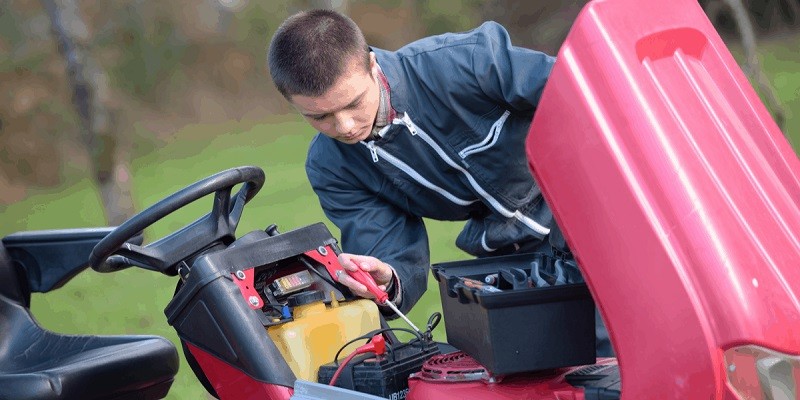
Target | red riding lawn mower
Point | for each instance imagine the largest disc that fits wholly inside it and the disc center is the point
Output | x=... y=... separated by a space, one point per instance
x=674 y=188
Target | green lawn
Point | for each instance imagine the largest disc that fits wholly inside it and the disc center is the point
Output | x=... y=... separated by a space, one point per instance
x=132 y=301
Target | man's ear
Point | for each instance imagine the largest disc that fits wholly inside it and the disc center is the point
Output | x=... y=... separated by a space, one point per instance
x=373 y=65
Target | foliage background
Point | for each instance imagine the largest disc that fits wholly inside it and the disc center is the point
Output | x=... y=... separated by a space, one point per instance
x=193 y=97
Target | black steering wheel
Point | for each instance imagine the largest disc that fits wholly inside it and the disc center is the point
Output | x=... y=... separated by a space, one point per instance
x=112 y=253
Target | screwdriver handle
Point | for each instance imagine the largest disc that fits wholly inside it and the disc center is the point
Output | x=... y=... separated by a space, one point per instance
x=364 y=278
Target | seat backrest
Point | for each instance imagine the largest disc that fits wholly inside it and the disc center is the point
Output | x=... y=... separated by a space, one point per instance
x=13 y=283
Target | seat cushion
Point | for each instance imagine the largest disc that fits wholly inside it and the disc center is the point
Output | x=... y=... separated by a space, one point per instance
x=39 y=364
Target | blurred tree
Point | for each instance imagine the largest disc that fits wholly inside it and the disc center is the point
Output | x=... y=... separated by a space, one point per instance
x=341 y=6
x=538 y=24
x=389 y=25
x=776 y=15
x=30 y=152
x=739 y=13
x=90 y=97
x=202 y=61
x=439 y=16
x=768 y=16
x=543 y=25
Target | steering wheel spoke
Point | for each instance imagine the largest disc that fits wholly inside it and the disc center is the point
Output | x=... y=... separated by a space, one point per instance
x=222 y=204
x=236 y=209
x=144 y=257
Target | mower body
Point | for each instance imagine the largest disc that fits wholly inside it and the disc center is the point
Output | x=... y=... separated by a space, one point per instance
x=678 y=195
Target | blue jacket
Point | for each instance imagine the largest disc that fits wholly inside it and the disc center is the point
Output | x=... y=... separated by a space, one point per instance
x=455 y=152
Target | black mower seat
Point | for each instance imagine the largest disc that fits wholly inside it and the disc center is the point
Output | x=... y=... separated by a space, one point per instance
x=38 y=364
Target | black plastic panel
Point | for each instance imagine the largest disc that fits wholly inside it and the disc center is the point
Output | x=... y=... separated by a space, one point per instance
x=50 y=258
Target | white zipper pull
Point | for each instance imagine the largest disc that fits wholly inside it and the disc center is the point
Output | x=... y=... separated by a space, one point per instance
x=409 y=124
x=373 y=151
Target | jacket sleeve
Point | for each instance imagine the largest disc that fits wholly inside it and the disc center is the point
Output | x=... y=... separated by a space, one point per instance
x=509 y=75
x=372 y=226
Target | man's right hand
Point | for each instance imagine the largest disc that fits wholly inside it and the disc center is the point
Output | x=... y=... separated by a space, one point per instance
x=380 y=271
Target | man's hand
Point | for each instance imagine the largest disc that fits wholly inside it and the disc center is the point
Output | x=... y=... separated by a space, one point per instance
x=379 y=270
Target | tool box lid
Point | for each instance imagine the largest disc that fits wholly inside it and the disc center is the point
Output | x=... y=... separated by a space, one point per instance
x=449 y=274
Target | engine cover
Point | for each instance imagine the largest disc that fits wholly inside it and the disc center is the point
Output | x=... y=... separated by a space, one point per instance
x=458 y=376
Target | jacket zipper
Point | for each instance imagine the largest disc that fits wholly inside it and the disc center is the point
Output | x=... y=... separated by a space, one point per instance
x=376 y=151
x=527 y=221
x=489 y=140
x=484 y=245
x=372 y=151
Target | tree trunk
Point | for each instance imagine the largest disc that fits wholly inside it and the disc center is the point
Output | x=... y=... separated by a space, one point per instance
x=90 y=97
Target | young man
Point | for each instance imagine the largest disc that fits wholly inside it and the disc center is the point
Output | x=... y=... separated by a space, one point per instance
x=434 y=130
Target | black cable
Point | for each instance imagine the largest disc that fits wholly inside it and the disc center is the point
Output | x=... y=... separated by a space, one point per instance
x=390 y=336
x=314 y=270
x=434 y=320
x=369 y=336
x=276 y=306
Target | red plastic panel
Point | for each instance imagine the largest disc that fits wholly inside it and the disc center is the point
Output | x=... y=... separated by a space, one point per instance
x=330 y=260
x=247 y=288
x=517 y=387
x=545 y=385
x=230 y=383
x=676 y=190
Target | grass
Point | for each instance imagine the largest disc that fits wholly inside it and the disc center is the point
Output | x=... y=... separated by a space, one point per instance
x=132 y=301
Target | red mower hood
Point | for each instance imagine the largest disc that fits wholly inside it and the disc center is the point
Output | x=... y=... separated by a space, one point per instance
x=677 y=192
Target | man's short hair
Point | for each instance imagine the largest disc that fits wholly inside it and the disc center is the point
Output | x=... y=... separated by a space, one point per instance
x=312 y=49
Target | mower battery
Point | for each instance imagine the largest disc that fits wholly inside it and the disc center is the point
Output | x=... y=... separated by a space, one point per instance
x=386 y=376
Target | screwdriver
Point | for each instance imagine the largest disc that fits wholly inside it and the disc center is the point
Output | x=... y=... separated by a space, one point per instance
x=364 y=278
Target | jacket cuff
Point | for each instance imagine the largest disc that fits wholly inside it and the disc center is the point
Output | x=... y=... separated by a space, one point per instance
x=395 y=292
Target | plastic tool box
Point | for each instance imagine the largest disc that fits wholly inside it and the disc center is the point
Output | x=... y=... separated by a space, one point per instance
x=515 y=329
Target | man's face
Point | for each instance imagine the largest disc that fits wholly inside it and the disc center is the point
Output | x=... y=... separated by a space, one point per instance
x=346 y=112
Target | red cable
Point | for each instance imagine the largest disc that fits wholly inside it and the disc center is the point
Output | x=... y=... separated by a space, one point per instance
x=376 y=345
x=341 y=367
